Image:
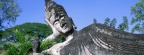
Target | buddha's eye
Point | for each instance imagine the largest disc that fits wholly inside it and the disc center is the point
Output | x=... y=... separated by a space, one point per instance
x=56 y=22
x=62 y=17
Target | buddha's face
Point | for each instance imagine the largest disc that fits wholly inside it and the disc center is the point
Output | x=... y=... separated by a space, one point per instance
x=61 y=22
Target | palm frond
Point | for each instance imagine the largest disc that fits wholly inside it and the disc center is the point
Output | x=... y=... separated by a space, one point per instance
x=24 y=48
x=20 y=37
x=12 y=51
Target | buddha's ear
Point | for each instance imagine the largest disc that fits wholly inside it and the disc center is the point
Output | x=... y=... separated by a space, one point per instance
x=74 y=26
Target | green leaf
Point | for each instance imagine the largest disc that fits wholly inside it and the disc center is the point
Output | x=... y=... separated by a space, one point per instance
x=20 y=37
x=24 y=48
x=27 y=38
x=12 y=51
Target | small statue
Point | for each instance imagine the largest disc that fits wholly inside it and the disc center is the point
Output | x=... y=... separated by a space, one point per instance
x=36 y=45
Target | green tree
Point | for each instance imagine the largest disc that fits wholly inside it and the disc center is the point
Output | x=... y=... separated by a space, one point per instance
x=107 y=21
x=138 y=12
x=137 y=28
x=33 y=29
x=113 y=23
x=94 y=20
x=20 y=47
x=9 y=10
x=124 y=25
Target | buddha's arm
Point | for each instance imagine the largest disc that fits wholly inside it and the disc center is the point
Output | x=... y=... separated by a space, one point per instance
x=51 y=37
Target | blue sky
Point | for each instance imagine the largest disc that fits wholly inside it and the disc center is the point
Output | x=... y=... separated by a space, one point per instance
x=82 y=11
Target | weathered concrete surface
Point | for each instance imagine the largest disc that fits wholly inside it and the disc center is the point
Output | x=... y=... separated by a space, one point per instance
x=99 y=39
x=36 y=54
x=95 y=39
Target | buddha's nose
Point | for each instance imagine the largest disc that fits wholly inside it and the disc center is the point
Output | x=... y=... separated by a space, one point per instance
x=63 y=22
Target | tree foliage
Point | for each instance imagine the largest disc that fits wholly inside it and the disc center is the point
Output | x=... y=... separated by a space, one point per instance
x=9 y=10
x=138 y=11
x=33 y=29
x=23 y=46
x=124 y=25
x=113 y=23
x=20 y=47
x=107 y=21
x=138 y=29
